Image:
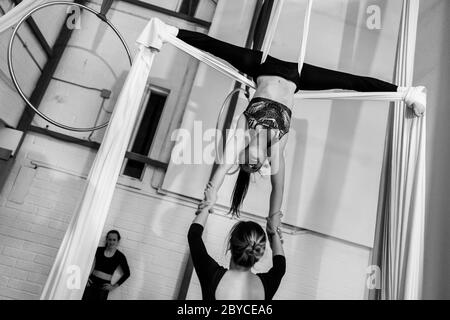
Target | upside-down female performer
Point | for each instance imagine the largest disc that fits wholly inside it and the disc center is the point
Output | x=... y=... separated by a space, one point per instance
x=268 y=114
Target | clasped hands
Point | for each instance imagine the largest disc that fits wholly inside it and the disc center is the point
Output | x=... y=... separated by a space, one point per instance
x=210 y=198
x=273 y=224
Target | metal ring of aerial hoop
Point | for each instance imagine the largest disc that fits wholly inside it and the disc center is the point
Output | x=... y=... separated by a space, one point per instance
x=218 y=121
x=13 y=75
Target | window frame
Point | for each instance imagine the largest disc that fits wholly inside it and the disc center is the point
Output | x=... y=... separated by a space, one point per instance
x=146 y=173
x=169 y=12
x=182 y=2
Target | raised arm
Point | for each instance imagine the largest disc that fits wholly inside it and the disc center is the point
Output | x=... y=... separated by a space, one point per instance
x=273 y=277
x=276 y=197
x=204 y=264
x=277 y=181
x=202 y=216
x=232 y=150
x=277 y=166
x=274 y=233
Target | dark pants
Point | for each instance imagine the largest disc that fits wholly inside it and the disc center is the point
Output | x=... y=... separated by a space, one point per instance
x=95 y=291
x=312 y=77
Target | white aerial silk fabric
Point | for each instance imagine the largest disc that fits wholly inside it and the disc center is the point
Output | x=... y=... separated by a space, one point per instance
x=210 y=60
x=399 y=242
x=77 y=251
x=15 y=14
x=83 y=234
x=306 y=24
x=272 y=26
x=273 y=22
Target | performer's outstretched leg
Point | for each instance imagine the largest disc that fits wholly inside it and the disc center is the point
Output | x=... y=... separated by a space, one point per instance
x=312 y=77
x=244 y=59
x=317 y=78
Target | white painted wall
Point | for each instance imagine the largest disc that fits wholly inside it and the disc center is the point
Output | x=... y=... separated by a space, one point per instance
x=27 y=73
x=50 y=31
x=96 y=58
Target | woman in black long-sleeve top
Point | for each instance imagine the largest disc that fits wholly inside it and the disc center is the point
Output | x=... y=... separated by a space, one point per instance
x=247 y=244
x=107 y=259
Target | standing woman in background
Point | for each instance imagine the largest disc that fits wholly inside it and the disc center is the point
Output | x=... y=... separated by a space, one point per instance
x=106 y=261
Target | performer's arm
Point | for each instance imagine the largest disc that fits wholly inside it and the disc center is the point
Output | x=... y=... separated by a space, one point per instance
x=276 y=197
x=277 y=166
x=233 y=148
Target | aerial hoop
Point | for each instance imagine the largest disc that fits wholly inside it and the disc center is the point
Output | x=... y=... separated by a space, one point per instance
x=225 y=102
x=13 y=75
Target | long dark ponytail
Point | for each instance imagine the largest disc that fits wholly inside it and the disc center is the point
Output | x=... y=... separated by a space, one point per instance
x=239 y=192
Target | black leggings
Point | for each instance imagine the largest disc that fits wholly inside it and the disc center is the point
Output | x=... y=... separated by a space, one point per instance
x=95 y=291
x=311 y=78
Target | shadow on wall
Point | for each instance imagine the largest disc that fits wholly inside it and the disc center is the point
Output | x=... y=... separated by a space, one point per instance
x=299 y=129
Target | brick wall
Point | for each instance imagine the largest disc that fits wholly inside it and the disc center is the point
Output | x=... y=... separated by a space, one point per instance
x=32 y=227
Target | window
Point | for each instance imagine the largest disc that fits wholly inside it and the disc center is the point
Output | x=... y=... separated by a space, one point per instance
x=189 y=7
x=146 y=132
